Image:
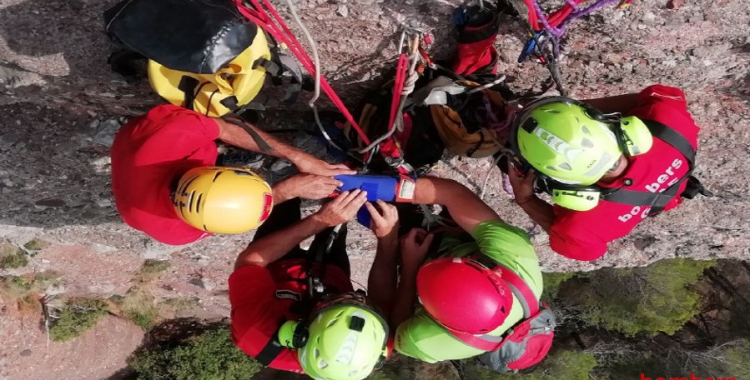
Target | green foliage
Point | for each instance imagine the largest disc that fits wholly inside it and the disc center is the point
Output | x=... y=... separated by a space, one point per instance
x=151 y=269
x=78 y=315
x=732 y=359
x=139 y=307
x=36 y=245
x=24 y=285
x=403 y=367
x=11 y=256
x=559 y=365
x=210 y=355
x=144 y=320
x=652 y=299
x=182 y=304
x=552 y=282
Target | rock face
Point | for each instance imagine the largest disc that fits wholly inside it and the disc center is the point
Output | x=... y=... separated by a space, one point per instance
x=60 y=105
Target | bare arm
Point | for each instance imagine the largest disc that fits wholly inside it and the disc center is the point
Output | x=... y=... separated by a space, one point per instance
x=381 y=283
x=619 y=103
x=414 y=247
x=240 y=137
x=235 y=135
x=406 y=296
x=539 y=211
x=270 y=248
x=465 y=207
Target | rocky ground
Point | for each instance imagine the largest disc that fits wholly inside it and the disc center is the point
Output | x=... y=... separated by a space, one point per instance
x=60 y=105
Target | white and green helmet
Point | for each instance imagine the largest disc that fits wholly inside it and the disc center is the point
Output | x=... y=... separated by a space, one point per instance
x=561 y=139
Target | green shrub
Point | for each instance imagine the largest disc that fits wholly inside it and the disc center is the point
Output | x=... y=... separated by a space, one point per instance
x=36 y=245
x=138 y=306
x=78 y=315
x=652 y=299
x=559 y=365
x=24 y=285
x=11 y=256
x=151 y=269
x=210 y=356
x=552 y=282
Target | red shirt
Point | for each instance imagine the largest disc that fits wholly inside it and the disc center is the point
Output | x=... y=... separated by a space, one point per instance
x=150 y=153
x=585 y=235
x=262 y=299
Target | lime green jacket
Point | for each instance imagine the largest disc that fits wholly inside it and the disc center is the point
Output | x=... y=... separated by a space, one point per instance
x=422 y=338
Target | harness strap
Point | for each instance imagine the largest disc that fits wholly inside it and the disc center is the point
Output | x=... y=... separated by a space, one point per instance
x=272 y=349
x=657 y=201
x=188 y=85
x=236 y=120
x=670 y=136
x=521 y=290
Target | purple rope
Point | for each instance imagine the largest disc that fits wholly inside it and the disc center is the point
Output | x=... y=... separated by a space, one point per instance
x=555 y=32
x=573 y=4
x=533 y=230
x=578 y=14
x=506 y=184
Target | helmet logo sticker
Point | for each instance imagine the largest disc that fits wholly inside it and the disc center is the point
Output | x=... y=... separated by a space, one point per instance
x=557 y=144
x=345 y=353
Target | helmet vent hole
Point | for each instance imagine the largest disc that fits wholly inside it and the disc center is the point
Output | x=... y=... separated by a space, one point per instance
x=322 y=364
x=585 y=130
x=217 y=176
x=191 y=201
x=550 y=110
x=587 y=143
x=551 y=168
x=565 y=166
x=242 y=172
x=198 y=204
x=316 y=353
x=187 y=184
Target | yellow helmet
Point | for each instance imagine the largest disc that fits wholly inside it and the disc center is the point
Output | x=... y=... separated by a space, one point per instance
x=223 y=200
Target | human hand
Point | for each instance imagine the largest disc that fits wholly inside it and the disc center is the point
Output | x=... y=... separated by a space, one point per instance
x=523 y=185
x=414 y=247
x=342 y=208
x=306 y=163
x=307 y=186
x=384 y=220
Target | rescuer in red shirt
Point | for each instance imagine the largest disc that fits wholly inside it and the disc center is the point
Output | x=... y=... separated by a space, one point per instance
x=165 y=185
x=607 y=163
x=296 y=310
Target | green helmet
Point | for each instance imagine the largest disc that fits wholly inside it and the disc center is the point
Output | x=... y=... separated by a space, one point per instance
x=345 y=342
x=560 y=138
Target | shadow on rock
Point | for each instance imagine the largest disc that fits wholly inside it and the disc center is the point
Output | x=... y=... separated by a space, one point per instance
x=53 y=172
x=36 y=29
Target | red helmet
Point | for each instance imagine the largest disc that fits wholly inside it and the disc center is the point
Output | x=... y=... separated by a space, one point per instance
x=463 y=295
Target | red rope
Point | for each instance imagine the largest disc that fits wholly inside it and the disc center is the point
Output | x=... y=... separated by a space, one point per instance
x=398 y=87
x=260 y=17
x=554 y=19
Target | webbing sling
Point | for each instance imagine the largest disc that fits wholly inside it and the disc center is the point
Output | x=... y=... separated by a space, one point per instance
x=272 y=349
x=657 y=201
